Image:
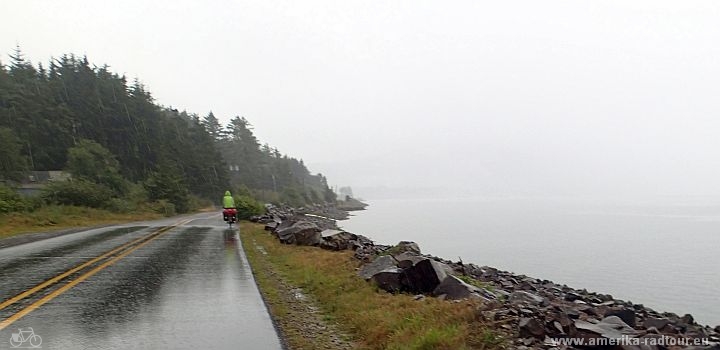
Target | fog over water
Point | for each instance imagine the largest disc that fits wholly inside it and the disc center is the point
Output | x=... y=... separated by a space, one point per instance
x=661 y=253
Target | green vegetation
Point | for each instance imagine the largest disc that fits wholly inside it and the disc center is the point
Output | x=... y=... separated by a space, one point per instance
x=375 y=319
x=54 y=217
x=474 y=282
x=126 y=153
x=11 y=201
x=12 y=163
x=247 y=206
x=77 y=193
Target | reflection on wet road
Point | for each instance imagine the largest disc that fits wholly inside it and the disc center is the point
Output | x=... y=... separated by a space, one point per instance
x=144 y=286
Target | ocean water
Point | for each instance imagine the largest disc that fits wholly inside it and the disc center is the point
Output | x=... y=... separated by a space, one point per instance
x=663 y=252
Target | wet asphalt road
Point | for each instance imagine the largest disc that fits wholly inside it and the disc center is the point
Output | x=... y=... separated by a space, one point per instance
x=182 y=287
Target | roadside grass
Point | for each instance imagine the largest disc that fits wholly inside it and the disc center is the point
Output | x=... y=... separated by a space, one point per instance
x=55 y=217
x=375 y=319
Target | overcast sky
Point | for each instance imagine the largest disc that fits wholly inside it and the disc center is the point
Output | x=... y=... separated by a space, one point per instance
x=508 y=97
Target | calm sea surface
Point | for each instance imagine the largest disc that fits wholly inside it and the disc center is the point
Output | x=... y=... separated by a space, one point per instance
x=662 y=253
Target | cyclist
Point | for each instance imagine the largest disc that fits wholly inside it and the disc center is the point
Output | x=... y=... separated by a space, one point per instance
x=229 y=206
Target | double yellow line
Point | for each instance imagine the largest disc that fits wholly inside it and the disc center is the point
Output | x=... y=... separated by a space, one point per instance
x=30 y=308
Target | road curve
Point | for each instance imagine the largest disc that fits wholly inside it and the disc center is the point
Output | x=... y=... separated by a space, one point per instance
x=181 y=283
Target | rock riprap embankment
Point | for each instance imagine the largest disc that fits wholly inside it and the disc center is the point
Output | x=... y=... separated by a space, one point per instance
x=535 y=312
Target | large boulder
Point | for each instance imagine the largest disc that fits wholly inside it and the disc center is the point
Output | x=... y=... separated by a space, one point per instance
x=284 y=224
x=381 y=263
x=424 y=276
x=389 y=280
x=408 y=259
x=338 y=240
x=407 y=246
x=300 y=233
x=454 y=288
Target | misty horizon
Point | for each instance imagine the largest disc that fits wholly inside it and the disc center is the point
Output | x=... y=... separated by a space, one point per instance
x=515 y=98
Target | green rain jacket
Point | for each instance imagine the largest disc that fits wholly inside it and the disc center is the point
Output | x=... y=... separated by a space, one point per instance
x=228 y=201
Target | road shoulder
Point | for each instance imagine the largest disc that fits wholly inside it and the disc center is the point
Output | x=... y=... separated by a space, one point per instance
x=300 y=321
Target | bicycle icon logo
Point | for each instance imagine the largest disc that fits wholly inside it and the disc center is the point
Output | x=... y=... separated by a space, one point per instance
x=25 y=338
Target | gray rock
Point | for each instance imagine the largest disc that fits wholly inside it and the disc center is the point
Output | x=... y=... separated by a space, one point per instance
x=687 y=320
x=407 y=246
x=454 y=288
x=285 y=224
x=263 y=220
x=609 y=327
x=331 y=232
x=424 y=276
x=300 y=233
x=625 y=314
x=607 y=298
x=572 y=296
x=561 y=322
x=405 y=264
x=658 y=323
x=652 y=330
x=389 y=280
x=501 y=293
x=526 y=312
x=521 y=297
x=271 y=226
x=408 y=258
x=572 y=313
x=380 y=263
x=530 y=327
x=337 y=240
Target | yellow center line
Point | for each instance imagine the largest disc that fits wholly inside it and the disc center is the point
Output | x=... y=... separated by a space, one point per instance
x=61 y=276
x=10 y=320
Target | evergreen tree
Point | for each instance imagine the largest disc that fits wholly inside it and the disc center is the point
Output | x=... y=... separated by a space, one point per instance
x=12 y=164
x=106 y=130
x=213 y=127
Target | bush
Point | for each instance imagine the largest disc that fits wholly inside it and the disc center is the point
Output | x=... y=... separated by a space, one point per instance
x=33 y=203
x=162 y=207
x=78 y=192
x=166 y=184
x=11 y=201
x=88 y=160
x=247 y=206
x=196 y=203
x=119 y=205
x=137 y=194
